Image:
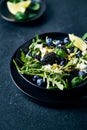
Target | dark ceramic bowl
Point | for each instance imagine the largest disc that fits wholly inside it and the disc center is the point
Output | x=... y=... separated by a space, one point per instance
x=5 y=14
x=43 y=94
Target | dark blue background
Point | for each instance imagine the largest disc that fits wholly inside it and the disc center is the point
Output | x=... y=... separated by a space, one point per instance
x=17 y=111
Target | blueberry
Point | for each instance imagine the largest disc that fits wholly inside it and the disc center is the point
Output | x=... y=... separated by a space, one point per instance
x=39 y=81
x=49 y=41
x=79 y=54
x=66 y=40
x=63 y=62
x=59 y=45
x=57 y=42
x=42 y=59
x=71 y=49
x=35 y=78
x=85 y=40
x=28 y=54
x=81 y=73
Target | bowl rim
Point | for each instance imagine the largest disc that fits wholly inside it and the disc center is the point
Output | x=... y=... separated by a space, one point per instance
x=26 y=43
x=40 y=13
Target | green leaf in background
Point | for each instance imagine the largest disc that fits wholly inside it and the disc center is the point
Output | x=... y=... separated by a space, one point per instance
x=15 y=1
x=20 y=16
x=34 y=6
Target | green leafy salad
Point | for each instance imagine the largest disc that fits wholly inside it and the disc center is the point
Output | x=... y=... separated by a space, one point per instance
x=23 y=9
x=55 y=63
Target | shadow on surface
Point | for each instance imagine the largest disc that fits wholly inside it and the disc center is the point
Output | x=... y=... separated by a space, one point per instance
x=67 y=105
x=37 y=22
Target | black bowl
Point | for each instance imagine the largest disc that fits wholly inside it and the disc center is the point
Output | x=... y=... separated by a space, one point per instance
x=5 y=14
x=42 y=94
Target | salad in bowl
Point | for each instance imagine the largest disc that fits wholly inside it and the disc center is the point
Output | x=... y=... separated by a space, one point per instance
x=54 y=62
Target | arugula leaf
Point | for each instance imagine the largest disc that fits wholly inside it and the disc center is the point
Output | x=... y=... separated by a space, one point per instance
x=84 y=36
x=76 y=80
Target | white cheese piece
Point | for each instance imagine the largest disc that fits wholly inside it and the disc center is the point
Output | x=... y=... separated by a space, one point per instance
x=81 y=66
x=84 y=52
x=38 y=46
x=43 y=51
x=47 y=67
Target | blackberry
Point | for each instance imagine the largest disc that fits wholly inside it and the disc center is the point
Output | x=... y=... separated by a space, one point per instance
x=73 y=73
x=58 y=60
x=37 y=56
x=49 y=58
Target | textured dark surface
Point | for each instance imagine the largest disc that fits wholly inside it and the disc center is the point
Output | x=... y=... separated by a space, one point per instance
x=17 y=111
